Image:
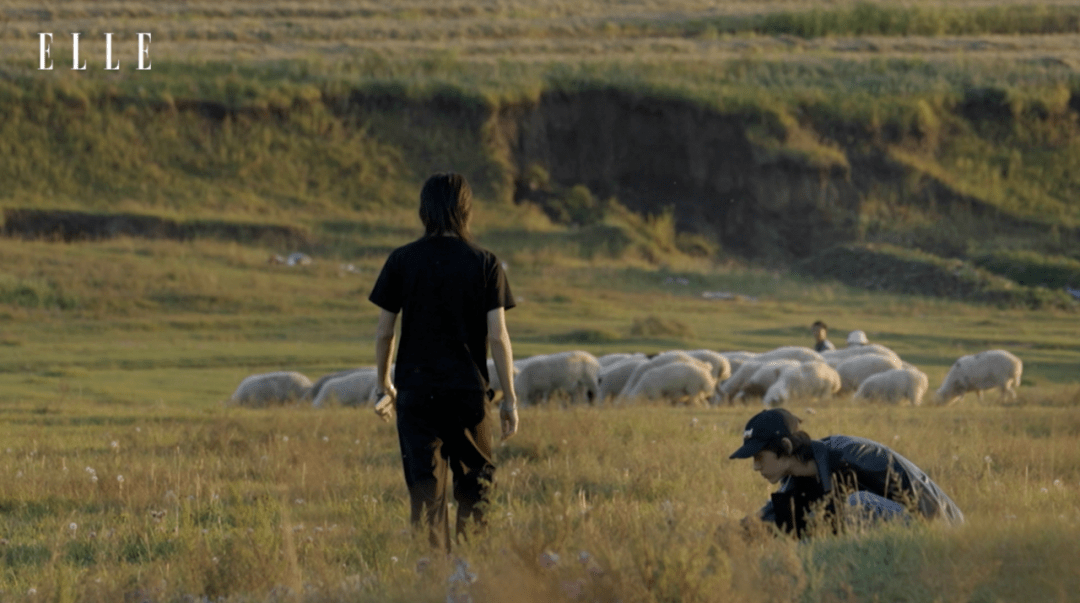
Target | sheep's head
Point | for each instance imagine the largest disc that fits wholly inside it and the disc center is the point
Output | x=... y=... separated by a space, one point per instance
x=948 y=395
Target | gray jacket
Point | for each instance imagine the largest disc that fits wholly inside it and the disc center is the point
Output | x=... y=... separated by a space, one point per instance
x=846 y=464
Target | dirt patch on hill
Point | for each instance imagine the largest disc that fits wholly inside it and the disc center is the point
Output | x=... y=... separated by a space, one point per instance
x=764 y=200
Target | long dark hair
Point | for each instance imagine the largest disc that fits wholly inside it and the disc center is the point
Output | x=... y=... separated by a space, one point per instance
x=445 y=206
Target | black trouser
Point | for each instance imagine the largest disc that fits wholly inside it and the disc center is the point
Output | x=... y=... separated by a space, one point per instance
x=437 y=429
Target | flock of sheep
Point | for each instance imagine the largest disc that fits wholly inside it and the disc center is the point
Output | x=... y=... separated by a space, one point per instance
x=868 y=373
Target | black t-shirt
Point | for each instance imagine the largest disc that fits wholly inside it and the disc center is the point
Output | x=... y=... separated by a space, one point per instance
x=444 y=288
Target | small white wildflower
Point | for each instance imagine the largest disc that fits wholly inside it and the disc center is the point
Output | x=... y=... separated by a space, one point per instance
x=549 y=559
x=955 y=457
x=1058 y=483
x=1044 y=490
x=326 y=438
x=31 y=592
x=93 y=479
x=299 y=501
x=214 y=559
x=120 y=478
x=138 y=430
x=284 y=438
x=988 y=460
x=357 y=442
x=114 y=445
x=896 y=437
x=73 y=526
x=90 y=470
x=394 y=559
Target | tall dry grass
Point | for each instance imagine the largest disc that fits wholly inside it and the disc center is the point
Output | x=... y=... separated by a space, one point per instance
x=630 y=504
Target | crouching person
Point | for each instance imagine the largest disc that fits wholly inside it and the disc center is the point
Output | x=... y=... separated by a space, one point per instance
x=836 y=482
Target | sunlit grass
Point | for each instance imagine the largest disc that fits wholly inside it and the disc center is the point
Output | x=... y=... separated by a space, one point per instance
x=634 y=503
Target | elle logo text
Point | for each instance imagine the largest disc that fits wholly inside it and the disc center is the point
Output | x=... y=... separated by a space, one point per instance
x=46 y=53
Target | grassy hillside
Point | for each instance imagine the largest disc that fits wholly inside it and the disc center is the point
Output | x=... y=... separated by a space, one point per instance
x=655 y=175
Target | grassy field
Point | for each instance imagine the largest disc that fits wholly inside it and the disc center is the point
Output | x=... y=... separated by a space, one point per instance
x=124 y=476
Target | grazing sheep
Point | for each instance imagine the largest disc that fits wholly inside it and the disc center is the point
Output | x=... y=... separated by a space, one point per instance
x=612 y=359
x=791 y=352
x=736 y=359
x=574 y=374
x=894 y=386
x=613 y=377
x=356 y=388
x=266 y=389
x=856 y=369
x=764 y=377
x=721 y=368
x=657 y=360
x=728 y=389
x=978 y=372
x=835 y=357
x=321 y=382
x=812 y=380
x=690 y=382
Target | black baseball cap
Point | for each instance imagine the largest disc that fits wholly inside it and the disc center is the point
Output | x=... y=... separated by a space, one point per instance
x=765 y=427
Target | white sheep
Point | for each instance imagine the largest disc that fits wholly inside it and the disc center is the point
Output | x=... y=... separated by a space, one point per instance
x=651 y=363
x=611 y=359
x=836 y=357
x=574 y=374
x=736 y=359
x=265 y=389
x=355 y=388
x=321 y=382
x=894 y=386
x=689 y=382
x=982 y=371
x=729 y=388
x=809 y=380
x=790 y=352
x=858 y=368
x=613 y=377
x=764 y=377
x=721 y=368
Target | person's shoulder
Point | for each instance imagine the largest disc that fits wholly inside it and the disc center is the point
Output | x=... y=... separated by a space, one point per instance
x=852 y=444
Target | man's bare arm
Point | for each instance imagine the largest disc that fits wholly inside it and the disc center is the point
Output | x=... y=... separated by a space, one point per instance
x=503 y=356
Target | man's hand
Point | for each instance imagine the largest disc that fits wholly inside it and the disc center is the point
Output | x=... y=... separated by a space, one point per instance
x=384 y=406
x=508 y=417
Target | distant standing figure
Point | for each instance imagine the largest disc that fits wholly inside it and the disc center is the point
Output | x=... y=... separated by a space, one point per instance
x=821 y=343
x=452 y=296
x=831 y=480
x=856 y=338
